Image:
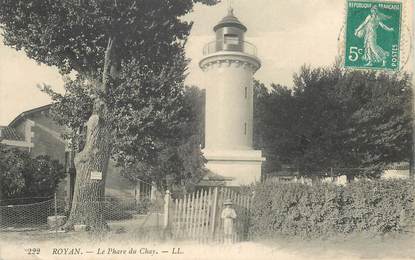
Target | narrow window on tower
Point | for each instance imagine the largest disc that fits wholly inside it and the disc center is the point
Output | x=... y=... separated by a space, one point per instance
x=246 y=92
x=245 y=128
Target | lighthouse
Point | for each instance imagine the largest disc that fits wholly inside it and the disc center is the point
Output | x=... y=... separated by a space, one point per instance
x=229 y=63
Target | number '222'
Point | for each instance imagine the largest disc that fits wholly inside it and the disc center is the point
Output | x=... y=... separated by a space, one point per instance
x=32 y=251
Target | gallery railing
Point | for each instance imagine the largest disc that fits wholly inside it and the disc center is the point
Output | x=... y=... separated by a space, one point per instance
x=242 y=46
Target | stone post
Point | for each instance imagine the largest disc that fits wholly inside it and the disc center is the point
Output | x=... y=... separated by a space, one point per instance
x=153 y=192
x=166 y=209
x=137 y=192
x=167 y=215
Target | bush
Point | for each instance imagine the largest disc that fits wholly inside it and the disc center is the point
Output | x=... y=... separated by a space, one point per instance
x=13 y=163
x=22 y=176
x=293 y=209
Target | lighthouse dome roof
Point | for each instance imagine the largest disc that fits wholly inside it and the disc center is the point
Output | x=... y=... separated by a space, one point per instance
x=230 y=21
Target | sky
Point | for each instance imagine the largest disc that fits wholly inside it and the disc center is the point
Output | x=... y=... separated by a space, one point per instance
x=287 y=34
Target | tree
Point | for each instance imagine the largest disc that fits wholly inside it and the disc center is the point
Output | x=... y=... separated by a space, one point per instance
x=43 y=177
x=12 y=166
x=22 y=176
x=379 y=128
x=356 y=122
x=180 y=162
x=178 y=156
x=273 y=125
x=117 y=48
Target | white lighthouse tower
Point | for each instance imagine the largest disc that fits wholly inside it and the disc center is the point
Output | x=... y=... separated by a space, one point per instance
x=229 y=64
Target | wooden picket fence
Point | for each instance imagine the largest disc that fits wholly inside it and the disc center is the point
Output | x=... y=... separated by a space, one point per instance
x=197 y=216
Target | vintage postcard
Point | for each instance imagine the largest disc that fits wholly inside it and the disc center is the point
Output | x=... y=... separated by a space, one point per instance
x=207 y=129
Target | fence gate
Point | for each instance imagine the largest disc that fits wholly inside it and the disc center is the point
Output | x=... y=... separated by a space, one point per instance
x=197 y=216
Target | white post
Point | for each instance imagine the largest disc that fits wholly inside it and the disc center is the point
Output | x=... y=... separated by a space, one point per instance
x=137 y=191
x=166 y=209
x=213 y=222
x=153 y=191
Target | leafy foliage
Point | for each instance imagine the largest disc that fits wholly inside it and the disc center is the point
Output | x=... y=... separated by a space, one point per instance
x=144 y=101
x=178 y=156
x=356 y=122
x=155 y=134
x=293 y=209
x=22 y=176
x=72 y=35
x=128 y=57
x=12 y=166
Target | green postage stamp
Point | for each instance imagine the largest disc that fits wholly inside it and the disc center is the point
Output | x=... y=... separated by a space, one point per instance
x=373 y=34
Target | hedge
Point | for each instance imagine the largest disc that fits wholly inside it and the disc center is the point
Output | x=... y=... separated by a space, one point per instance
x=294 y=209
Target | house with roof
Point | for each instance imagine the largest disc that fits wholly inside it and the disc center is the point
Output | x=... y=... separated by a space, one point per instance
x=36 y=132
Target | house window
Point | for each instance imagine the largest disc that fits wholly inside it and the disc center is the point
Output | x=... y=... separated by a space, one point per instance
x=246 y=92
x=231 y=39
x=245 y=128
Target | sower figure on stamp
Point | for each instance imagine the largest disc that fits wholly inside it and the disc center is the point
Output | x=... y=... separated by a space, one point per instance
x=228 y=216
x=368 y=30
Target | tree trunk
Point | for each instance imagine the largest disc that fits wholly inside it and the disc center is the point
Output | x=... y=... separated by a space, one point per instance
x=87 y=204
x=88 y=198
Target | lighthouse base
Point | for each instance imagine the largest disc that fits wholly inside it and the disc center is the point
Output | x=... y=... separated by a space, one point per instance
x=239 y=167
